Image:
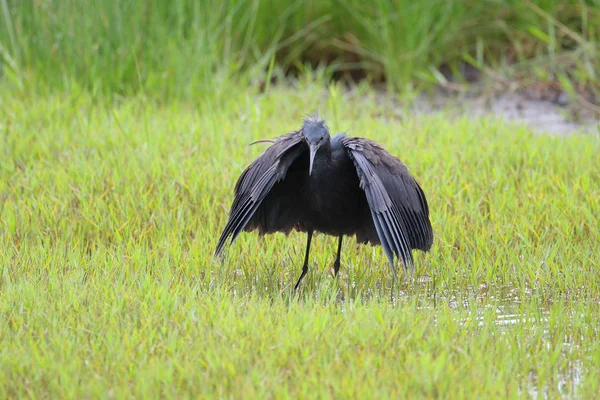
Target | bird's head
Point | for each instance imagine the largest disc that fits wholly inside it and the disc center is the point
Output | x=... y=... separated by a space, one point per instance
x=316 y=134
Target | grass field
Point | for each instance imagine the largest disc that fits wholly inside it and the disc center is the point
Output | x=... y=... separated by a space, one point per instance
x=187 y=48
x=110 y=212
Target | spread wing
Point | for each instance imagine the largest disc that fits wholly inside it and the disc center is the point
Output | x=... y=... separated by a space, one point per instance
x=397 y=203
x=256 y=182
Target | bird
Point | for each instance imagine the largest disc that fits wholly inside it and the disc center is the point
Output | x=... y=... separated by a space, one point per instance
x=310 y=182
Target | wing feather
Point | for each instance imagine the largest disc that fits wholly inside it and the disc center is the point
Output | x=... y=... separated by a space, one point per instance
x=397 y=203
x=257 y=180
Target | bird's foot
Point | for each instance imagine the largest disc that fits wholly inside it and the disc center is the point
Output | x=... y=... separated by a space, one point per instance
x=304 y=271
x=336 y=267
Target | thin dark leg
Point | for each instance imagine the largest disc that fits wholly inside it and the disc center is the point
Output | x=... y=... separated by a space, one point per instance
x=305 y=266
x=336 y=263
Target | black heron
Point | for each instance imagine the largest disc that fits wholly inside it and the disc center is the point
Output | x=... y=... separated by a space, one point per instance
x=308 y=181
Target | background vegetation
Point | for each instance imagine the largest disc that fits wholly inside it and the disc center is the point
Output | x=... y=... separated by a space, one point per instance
x=189 y=48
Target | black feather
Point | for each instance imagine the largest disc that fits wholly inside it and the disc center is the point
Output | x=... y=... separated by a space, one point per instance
x=256 y=182
x=355 y=188
x=397 y=203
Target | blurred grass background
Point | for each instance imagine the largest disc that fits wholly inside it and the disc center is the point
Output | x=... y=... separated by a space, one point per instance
x=192 y=49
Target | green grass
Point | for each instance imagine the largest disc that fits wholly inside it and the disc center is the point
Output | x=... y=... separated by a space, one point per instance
x=195 y=49
x=110 y=212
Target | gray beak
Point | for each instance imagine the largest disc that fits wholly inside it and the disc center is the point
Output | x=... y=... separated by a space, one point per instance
x=313 y=151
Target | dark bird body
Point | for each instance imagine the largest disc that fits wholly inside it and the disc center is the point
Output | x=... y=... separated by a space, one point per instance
x=339 y=186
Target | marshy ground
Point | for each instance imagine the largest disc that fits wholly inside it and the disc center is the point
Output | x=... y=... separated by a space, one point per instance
x=110 y=214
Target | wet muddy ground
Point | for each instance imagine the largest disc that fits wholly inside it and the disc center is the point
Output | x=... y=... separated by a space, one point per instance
x=554 y=114
x=544 y=107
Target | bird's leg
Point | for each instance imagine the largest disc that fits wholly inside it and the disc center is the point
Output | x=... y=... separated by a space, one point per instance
x=336 y=263
x=305 y=266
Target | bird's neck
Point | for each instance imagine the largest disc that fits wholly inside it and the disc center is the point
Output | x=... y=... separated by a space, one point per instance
x=323 y=157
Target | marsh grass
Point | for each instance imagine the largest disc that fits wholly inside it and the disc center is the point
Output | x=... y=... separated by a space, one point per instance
x=109 y=214
x=199 y=49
